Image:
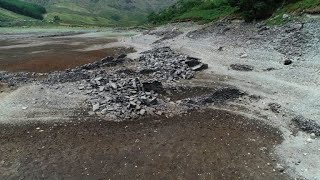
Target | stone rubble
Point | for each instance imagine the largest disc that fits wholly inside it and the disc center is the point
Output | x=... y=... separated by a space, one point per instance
x=166 y=65
x=120 y=94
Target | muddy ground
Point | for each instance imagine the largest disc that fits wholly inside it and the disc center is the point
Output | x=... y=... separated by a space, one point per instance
x=47 y=54
x=208 y=144
x=204 y=143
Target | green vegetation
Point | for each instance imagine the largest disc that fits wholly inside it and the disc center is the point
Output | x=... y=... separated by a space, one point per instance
x=209 y=10
x=135 y=12
x=200 y=10
x=6 y=15
x=296 y=7
x=256 y=9
x=101 y=12
x=309 y=6
x=23 y=8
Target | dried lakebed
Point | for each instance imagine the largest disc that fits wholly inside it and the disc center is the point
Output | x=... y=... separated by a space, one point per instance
x=57 y=124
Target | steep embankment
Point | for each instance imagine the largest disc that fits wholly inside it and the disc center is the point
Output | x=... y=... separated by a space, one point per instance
x=98 y=12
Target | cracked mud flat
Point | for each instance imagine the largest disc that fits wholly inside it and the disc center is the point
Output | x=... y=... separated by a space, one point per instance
x=206 y=144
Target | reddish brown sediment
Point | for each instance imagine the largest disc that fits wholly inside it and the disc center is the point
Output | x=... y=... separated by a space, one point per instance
x=54 y=55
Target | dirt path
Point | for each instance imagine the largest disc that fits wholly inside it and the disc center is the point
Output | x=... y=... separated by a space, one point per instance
x=208 y=144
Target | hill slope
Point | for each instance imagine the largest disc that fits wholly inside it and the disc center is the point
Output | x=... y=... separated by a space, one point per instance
x=24 y=8
x=210 y=10
x=6 y=15
x=101 y=12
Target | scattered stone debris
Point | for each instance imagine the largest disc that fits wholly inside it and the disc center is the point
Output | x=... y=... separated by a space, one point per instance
x=241 y=67
x=275 y=107
x=285 y=16
x=122 y=96
x=164 y=64
x=307 y=125
x=263 y=28
x=167 y=34
x=294 y=44
x=270 y=69
x=220 y=96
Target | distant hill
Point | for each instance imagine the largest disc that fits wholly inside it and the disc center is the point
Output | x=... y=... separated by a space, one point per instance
x=6 y=15
x=23 y=8
x=101 y=12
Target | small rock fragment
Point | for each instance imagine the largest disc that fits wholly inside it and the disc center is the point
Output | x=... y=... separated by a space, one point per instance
x=96 y=107
x=280 y=168
x=287 y=62
x=200 y=67
x=142 y=112
x=244 y=55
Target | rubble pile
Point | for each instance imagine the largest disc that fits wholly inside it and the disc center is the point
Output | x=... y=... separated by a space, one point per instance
x=121 y=96
x=164 y=64
x=121 y=93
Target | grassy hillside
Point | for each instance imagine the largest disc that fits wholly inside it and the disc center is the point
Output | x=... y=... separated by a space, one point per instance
x=6 y=15
x=23 y=8
x=210 y=10
x=195 y=10
x=101 y=12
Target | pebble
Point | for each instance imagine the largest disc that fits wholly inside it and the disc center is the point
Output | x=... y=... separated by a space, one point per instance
x=280 y=168
x=244 y=55
x=288 y=62
x=309 y=140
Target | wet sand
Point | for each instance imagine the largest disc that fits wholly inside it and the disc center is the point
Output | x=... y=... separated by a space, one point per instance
x=210 y=144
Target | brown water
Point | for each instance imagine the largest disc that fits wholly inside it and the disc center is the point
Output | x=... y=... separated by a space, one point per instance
x=210 y=144
x=48 y=54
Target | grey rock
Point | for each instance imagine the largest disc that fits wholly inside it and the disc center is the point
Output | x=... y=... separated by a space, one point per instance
x=307 y=125
x=241 y=67
x=113 y=85
x=98 y=79
x=101 y=88
x=280 y=168
x=287 y=62
x=276 y=108
x=95 y=107
x=142 y=112
x=155 y=86
x=104 y=111
x=200 y=67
